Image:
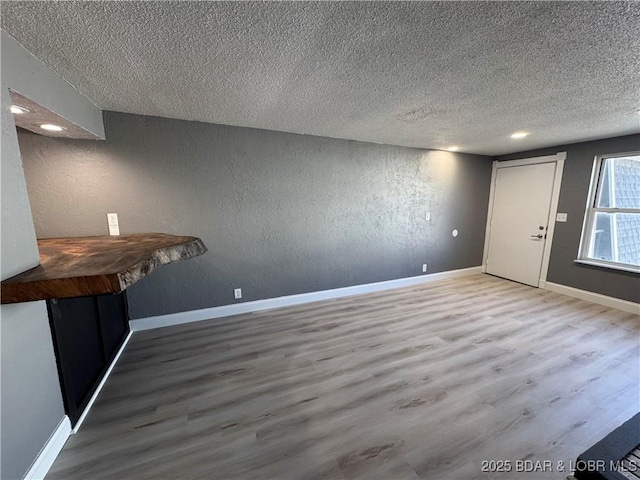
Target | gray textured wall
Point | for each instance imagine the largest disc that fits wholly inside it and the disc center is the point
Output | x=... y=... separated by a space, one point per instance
x=31 y=402
x=281 y=213
x=576 y=179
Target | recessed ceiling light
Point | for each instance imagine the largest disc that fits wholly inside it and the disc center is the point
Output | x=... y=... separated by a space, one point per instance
x=517 y=135
x=51 y=127
x=18 y=110
x=453 y=148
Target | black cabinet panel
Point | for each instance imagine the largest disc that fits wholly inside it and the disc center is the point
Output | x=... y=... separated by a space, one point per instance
x=114 y=325
x=87 y=332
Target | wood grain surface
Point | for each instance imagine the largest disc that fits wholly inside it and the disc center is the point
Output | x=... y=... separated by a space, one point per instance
x=421 y=382
x=80 y=266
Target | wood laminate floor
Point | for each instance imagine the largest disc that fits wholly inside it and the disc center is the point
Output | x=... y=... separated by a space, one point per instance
x=421 y=382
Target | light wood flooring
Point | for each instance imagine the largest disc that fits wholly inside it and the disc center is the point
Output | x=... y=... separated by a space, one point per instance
x=419 y=382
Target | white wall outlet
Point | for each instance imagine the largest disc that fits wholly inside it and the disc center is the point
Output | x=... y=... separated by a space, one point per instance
x=561 y=217
x=112 y=221
x=424 y=267
x=237 y=293
x=427 y=216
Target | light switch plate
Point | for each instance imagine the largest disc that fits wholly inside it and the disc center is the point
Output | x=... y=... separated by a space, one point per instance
x=561 y=217
x=112 y=220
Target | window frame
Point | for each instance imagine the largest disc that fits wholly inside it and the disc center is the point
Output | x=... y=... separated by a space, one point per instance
x=592 y=209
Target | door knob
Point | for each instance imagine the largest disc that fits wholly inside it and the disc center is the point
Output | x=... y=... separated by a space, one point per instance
x=537 y=236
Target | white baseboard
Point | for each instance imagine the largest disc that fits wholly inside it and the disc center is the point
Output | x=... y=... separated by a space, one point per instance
x=101 y=384
x=598 y=298
x=289 y=300
x=50 y=451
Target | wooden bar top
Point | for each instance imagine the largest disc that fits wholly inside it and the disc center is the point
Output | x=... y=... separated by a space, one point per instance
x=83 y=266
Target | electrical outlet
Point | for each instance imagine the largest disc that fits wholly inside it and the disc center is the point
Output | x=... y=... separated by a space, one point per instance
x=561 y=217
x=237 y=293
x=112 y=221
x=424 y=267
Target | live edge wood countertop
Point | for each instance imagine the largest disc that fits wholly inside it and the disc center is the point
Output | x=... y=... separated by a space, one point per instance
x=83 y=266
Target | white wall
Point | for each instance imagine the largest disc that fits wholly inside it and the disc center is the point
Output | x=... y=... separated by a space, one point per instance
x=30 y=402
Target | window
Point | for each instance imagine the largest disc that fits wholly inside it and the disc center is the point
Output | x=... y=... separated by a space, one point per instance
x=611 y=232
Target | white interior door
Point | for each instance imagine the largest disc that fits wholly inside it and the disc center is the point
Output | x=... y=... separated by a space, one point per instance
x=518 y=228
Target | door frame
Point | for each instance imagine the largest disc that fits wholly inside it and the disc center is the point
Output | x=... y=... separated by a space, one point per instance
x=558 y=159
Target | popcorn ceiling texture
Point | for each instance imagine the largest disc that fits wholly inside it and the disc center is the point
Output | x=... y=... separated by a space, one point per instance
x=421 y=74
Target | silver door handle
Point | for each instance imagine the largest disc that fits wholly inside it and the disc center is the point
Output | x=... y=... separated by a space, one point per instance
x=537 y=236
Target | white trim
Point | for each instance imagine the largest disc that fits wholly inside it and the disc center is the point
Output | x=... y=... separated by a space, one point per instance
x=101 y=384
x=598 y=298
x=487 y=230
x=586 y=239
x=289 y=300
x=553 y=210
x=612 y=219
x=610 y=266
x=50 y=451
x=616 y=210
x=558 y=159
x=533 y=160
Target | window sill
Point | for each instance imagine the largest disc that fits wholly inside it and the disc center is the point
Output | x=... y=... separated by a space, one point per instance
x=610 y=266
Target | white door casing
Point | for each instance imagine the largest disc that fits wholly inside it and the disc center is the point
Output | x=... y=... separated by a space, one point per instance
x=524 y=197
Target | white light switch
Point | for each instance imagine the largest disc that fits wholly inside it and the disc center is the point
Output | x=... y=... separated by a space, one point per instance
x=561 y=217
x=427 y=216
x=112 y=220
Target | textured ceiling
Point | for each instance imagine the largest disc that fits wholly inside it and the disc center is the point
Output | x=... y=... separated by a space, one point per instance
x=422 y=74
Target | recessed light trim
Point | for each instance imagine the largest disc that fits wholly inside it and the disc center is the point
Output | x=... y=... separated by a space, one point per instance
x=519 y=135
x=453 y=148
x=51 y=127
x=18 y=110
